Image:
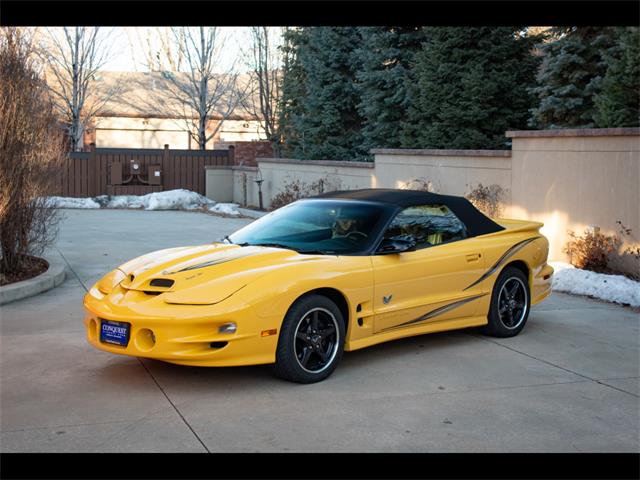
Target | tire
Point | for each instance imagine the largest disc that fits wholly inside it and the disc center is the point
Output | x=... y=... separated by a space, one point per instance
x=508 y=315
x=308 y=353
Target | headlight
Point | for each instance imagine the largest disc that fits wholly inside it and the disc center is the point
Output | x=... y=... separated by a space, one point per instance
x=227 y=328
x=110 y=281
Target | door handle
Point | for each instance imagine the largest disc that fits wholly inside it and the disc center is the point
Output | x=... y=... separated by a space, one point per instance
x=473 y=257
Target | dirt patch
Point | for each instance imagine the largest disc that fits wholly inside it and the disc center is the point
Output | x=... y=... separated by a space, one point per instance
x=31 y=267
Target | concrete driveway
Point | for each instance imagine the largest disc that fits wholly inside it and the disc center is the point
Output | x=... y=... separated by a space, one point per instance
x=568 y=383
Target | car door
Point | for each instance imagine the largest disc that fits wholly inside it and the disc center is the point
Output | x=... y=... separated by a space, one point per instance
x=426 y=285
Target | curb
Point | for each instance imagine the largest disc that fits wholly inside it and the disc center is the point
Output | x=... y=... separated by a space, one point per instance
x=246 y=212
x=54 y=276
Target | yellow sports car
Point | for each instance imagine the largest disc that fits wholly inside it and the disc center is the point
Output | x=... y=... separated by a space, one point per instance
x=341 y=271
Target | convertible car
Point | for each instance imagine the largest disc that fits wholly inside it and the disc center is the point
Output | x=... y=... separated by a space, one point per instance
x=340 y=271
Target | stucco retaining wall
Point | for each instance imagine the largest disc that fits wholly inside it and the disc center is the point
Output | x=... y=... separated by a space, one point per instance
x=568 y=179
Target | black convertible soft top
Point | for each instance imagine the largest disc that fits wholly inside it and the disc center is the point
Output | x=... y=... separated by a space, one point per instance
x=476 y=222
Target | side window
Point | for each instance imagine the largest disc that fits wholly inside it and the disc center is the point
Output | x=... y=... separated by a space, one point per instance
x=428 y=225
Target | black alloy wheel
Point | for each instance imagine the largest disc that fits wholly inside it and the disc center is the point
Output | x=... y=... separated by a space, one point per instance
x=311 y=340
x=510 y=304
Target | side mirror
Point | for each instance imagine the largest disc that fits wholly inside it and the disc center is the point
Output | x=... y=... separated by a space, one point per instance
x=396 y=245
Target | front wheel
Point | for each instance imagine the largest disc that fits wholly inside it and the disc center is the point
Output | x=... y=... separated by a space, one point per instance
x=510 y=304
x=311 y=340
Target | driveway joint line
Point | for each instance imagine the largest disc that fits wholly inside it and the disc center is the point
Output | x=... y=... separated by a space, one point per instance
x=72 y=270
x=554 y=365
x=174 y=406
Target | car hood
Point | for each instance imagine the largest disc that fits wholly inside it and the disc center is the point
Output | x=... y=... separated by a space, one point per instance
x=204 y=275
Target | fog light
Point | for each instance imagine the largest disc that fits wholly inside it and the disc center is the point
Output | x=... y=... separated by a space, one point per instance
x=227 y=328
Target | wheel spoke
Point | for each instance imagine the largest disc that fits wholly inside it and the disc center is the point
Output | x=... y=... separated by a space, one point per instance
x=306 y=353
x=302 y=336
x=510 y=317
x=314 y=321
x=324 y=333
x=512 y=291
x=324 y=354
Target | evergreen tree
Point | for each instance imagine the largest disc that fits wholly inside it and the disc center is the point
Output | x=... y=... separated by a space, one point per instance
x=293 y=92
x=386 y=54
x=571 y=76
x=329 y=124
x=471 y=85
x=618 y=103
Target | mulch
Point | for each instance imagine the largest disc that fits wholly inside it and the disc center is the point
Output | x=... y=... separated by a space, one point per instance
x=31 y=267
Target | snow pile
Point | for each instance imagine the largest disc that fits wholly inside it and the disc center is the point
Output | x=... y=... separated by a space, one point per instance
x=69 y=202
x=225 y=209
x=611 y=288
x=180 y=199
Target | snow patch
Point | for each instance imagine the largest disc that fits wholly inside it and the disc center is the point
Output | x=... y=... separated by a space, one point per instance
x=611 y=288
x=225 y=209
x=179 y=199
x=69 y=202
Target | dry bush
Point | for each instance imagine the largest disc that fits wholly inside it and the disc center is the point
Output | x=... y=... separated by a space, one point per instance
x=31 y=155
x=295 y=190
x=632 y=251
x=487 y=199
x=591 y=250
x=423 y=184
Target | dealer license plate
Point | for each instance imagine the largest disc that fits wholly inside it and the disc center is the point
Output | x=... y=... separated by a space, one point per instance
x=116 y=333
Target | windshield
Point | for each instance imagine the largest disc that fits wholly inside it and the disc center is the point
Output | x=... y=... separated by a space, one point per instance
x=316 y=226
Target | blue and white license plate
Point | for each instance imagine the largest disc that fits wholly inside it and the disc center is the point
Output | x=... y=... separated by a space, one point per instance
x=116 y=333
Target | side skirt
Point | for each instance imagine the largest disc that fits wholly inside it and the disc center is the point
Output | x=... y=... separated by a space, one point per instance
x=444 y=325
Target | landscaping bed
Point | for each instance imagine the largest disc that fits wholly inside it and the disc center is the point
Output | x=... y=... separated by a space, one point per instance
x=32 y=267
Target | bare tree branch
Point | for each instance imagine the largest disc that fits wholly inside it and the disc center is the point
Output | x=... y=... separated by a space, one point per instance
x=73 y=56
x=201 y=93
x=264 y=59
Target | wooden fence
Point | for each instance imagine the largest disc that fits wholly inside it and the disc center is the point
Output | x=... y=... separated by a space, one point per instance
x=88 y=174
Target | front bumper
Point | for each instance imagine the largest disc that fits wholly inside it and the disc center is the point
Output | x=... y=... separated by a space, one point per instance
x=185 y=334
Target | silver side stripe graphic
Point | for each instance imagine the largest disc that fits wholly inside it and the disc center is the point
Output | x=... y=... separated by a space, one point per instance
x=210 y=263
x=437 y=311
x=505 y=256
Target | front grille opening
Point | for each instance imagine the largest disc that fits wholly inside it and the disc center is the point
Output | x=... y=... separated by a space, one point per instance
x=161 y=282
x=218 y=344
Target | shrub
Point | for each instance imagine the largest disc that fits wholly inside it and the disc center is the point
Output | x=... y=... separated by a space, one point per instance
x=31 y=155
x=423 y=184
x=295 y=190
x=633 y=251
x=598 y=252
x=487 y=199
x=591 y=250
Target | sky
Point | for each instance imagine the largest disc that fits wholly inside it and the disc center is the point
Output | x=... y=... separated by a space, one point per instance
x=126 y=45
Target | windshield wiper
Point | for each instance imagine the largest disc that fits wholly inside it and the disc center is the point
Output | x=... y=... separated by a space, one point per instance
x=226 y=237
x=280 y=245
x=319 y=252
x=276 y=245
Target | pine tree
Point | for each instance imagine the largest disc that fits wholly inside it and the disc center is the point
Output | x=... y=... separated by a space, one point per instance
x=330 y=125
x=618 y=103
x=293 y=92
x=386 y=54
x=571 y=77
x=471 y=85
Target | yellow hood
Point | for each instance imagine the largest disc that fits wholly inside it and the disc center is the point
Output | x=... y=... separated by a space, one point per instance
x=203 y=275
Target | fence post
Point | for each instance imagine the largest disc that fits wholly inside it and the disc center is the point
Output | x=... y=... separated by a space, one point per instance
x=165 y=167
x=232 y=154
x=94 y=172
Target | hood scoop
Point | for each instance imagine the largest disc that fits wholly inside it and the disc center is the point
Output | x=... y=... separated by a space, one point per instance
x=162 y=282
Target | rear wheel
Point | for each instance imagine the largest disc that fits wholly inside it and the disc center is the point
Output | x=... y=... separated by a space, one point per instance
x=510 y=304
x=311 y=340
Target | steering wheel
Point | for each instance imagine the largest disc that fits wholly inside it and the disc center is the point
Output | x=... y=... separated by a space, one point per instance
x=356 y=233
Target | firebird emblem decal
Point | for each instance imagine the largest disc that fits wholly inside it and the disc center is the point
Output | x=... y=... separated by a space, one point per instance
x=387 y=299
